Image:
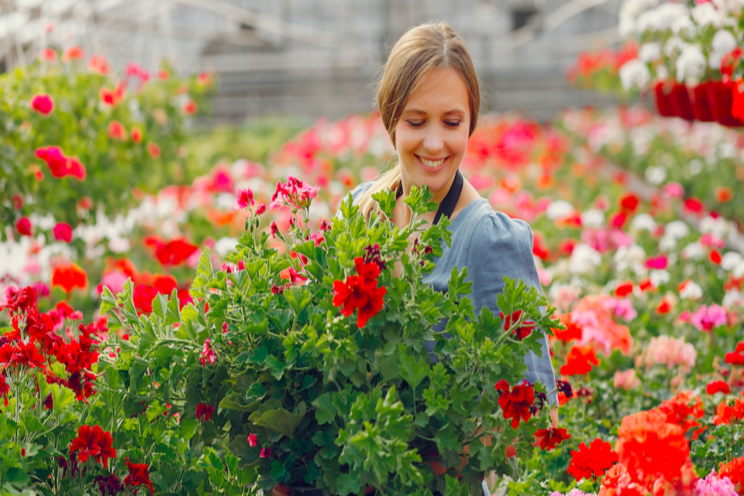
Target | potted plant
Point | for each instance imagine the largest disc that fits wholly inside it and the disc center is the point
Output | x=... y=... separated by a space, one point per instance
x=314 y=356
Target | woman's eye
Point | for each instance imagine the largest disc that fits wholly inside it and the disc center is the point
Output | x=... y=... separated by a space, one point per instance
x=453 y=123
x=416 y=123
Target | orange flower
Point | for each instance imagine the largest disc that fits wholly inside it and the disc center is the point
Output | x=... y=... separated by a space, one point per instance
x=573 y=330
x=579 y=360
x=136 y=134
x=68 y=277
x=734 y=470
x=724 y=194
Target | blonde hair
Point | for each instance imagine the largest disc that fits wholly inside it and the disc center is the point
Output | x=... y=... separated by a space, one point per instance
x=420 y=51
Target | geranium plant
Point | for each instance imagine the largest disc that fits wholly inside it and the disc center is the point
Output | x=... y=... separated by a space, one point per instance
x=310 y=361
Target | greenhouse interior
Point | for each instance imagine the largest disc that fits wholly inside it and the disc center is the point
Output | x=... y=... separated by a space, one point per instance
x=372 y=247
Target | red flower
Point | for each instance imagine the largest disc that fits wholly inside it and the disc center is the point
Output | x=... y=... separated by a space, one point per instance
x=111 y=98
x=651 y=447
x=62 y=232
x=48 y=54
x=724 y=194
x=523 y=331
x=42 y=104
x=204 y=412
x=715 y=257
x=549 y=438
x=93 y=441
x=360 y=292
x=266 y=452
x=68 y=277
x=724 y=414
x=21 y=300
x=573 y=330
x=629 y=202
x=624 y=289
x=59 y=164
x=718 y=387
x=579 y=360
x=244 y=199
x=99 y=65
x=143 y=296
x=154 y=150
x=27 y=354
x=23 y=226
x=682 y=406
x=189 y=108
x=4 y=388
x=665 y=306
x=174 y=252
x=136 y=134
x=693 y=205
x=618 y=220
x=736 y=357
x=73 y=53
x=515 y=404
x=117 y=131
x=591 y=461
x=734 y=470
x=252 y=440
x=139 y=475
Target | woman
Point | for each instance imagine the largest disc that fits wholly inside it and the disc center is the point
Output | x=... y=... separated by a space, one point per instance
x=429 y=101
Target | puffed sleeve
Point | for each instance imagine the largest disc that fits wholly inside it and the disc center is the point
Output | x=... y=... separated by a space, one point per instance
x=501 y=246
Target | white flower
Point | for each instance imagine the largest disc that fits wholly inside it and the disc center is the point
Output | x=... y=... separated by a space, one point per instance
x=583 y=259
x=630 y=257
x=676 y=229
x=717 y=227
x=593 y=218
x=738 y=271
x=691 y=291
x=723 y=42
x=629 y=12
x=634 y=75
x=656 y=175
x=691 y=65
x=224 y=201
x=694 y=167
x=649 y=52
x=693 y=251
x=643 y=221
x=683 y=24
x=705 y=14
x=733 y=298
x=659 y=277
x=730 y=260
x=667 y=243
x=661 y=18
x=559 y=209
x=225 y=245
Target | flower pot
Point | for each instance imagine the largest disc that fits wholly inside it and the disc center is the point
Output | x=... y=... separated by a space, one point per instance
x=662 y=90
x=681 y=102
x=700 y=102
x=721 y=98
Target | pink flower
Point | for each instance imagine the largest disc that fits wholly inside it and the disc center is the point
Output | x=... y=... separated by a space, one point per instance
x=114 y=280
x=117 y=131
x=189 y=108
x=261 y=209
x=623 y=308
x=42 y=104
x=665 y=350
x=62 y=232
x=673 y=190
x=294 y=194
x=252 y=440
x=207 y=354
x=73 y=53
x=706 y=318
x=318 y=238
x=244 y=199
x=154 y=150
x=98 y=64
x=659 y=262
x=713 y=486
x=266 y=452
x=274 y=229
x=626 y=380
x=48 y=54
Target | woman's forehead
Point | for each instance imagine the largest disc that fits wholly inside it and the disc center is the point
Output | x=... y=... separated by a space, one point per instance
x=442 y=91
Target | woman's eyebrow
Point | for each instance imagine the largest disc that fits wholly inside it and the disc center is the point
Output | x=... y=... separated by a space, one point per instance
x=421 y=112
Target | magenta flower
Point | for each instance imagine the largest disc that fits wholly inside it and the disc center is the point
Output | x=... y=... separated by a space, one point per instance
x=204 y=412
x=244 y=199
x=318 y=238
x=207 y=354
x=713 y=486
x=659 y=262
x=266 y=452
x=252 y=441
x=274 y=229
x=294 y=194
x=42 y=104
x=62 y=232
x=706 y=318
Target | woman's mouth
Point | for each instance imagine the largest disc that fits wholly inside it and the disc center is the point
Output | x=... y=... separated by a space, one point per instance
x=432 y=164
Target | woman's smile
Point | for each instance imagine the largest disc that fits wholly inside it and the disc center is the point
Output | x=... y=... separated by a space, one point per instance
x=432 y=164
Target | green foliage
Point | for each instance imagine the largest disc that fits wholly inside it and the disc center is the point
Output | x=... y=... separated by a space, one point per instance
x=331 y=404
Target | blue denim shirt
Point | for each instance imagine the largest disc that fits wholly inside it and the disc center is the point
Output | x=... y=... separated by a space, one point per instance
x=491 y=245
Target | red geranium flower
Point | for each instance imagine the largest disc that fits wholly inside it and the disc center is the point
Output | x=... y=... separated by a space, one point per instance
x=117 y=131
x=693 y=205
x=715 y=257
x=734 y=470
x=681 y=407
x=579 y=360
x=4 y=388
x=204 y=412
x=629 y=202
x=207 y=354
x=73 y=53
x=360 y=292
x=515 y=404
x=549 y=438
x=139 y=475
x=68 y=277
x=189 y=108
x=624 y=289
x=737 y=356
x=665 y=306
x=21 y=300
x=27 y=354
x=252 y=440
x=59 y=164
x=718 y=387
x=591 y=461
x=174 y=252
x=42 y=104
x=93 y=441
x=573 y=330
x=143 y=296
x=62 y=232
x=24 y=227
x=724 y=414
x=523 y=331
x=136 y=134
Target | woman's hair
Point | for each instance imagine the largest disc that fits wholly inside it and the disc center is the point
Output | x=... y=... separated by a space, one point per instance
x=419 y=52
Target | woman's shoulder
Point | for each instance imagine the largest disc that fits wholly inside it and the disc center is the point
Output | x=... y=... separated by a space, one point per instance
x=491 y=230
x=360 y=190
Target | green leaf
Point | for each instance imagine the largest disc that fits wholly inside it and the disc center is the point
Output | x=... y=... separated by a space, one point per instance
x=412 y=371
x=386 y=200
x=280 y=420
x=446 y=438
x=187 y=428
x=326 y=410
x=298 y=299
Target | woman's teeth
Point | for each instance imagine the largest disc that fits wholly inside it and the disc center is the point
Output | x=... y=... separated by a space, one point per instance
x=432 y=163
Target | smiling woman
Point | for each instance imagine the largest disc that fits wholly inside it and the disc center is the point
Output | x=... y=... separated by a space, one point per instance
x=429 y=100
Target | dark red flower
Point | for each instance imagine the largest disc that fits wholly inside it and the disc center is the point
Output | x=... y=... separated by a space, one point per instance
x=718 y=387
x=204 y=412
x=591 y=461
x=109 y=485
x=93 y=441
x=516 y=404
x=27 y=354
x=139 y=475
x=4 y=388
x=21 y=300
x=522 y=331
x=549 y=438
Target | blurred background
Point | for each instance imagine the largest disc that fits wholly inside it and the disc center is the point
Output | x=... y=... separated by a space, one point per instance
x=316 y=58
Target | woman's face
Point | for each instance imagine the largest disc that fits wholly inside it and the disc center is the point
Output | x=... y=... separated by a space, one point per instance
x=432 y=132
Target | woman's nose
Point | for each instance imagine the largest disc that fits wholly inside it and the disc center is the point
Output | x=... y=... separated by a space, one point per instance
x=433 y=141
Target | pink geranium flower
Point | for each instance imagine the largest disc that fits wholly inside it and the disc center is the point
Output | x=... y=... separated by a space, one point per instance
x=62 y=232
x=244 y=199
x=42 y=104
x=706 y=318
